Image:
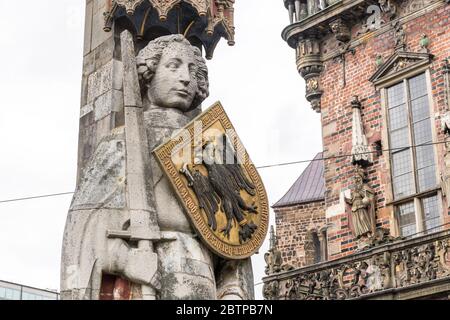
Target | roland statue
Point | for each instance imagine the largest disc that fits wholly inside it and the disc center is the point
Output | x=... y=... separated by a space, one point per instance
x=101 y=255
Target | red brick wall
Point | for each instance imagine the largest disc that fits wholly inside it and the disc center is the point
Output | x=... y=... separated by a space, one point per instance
x=337 y=119
x=292 y=225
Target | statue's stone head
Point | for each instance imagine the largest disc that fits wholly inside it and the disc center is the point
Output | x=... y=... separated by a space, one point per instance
x=173 y=73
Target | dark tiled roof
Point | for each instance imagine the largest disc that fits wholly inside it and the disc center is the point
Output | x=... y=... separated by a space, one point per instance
x=309 y=187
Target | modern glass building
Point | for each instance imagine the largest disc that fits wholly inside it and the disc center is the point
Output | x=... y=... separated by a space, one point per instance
x=14 y=291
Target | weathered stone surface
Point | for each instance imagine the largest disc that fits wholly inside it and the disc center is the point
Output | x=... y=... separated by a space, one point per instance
x=98 y=22
x=100 y=81
x=86 y=109
x=103 y=182
x=102 y=105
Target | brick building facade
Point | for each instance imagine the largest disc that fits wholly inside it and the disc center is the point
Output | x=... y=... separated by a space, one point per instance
x=300 y=218
x=378 y=72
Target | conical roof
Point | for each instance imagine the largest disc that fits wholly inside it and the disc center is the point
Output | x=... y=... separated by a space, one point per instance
x=309 y=187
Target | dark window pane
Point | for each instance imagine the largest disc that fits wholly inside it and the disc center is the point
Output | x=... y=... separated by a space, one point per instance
x=398 y=117
x=426 y=178
x=396 y=95
x=401 y=163
x=431 y=213
x=407 y=218
x=417 y=86
x=422 y=132
x=399 y=139
x=424 y=156
x=420 y=109
x=403 y=185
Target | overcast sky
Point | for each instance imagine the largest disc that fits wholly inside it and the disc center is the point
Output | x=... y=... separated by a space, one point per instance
x=40 y=77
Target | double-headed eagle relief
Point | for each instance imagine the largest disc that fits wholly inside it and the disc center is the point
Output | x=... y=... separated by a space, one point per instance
x=221 y=188
x=217 y=184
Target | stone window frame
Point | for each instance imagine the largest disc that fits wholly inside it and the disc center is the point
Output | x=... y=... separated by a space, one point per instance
x=382 y=86
x=322 y=250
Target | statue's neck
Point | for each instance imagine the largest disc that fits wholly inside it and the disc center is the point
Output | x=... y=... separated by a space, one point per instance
x=157 y=116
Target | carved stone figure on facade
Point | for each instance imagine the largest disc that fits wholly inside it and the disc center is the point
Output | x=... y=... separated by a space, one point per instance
x=103 y=235
x=388 y=7
x=340 y=30
x=399 y=36
x=362 y=201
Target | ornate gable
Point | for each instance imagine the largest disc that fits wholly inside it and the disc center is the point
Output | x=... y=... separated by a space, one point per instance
x=399 y=65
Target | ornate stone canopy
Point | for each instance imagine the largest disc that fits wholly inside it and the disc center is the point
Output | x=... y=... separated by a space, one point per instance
x=202 y=22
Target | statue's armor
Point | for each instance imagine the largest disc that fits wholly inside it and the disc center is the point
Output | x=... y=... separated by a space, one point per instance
x=186 y=265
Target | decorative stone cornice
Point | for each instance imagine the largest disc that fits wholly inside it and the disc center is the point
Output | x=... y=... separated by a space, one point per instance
x=398 y=266
x=337 y=17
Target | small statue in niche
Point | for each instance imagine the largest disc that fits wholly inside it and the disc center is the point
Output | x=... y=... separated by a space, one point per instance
x=362 y=202
x=388 y=7
x=399 y=37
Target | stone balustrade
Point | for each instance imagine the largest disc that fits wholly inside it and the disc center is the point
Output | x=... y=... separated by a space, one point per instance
x=403 y=269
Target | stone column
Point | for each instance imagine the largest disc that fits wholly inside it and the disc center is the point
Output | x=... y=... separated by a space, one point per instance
x=101 y=92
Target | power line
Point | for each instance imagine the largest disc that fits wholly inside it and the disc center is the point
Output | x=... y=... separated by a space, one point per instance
x=36 y=197
x=264 y=167
x=350 y=155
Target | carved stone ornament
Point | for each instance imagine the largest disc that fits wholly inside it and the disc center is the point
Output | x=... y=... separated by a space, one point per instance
x=370 y=273
x=310 y=66
x=273 y=256
x=271 y=290
x=340 y=30
x=222 y=13
x=389 y=7
x=361 y=154
x=421 y=264
x=398 y=64
x=408 y=7
x=163 y=7
x=129 y=5
x=217 y=184
x=362 y=201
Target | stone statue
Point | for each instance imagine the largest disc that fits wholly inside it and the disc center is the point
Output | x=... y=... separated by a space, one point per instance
x=173 y=81
x=362 y=207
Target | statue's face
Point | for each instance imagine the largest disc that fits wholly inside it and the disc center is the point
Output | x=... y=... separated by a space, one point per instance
x=174 y=83
x=359 y=181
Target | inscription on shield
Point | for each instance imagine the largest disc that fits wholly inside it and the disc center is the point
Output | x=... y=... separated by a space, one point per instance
x=217 y=184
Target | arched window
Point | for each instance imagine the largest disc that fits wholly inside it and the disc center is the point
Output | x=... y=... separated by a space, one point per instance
x=315 y=246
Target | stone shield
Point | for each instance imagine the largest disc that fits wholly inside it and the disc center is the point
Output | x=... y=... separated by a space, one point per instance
x=217 y=184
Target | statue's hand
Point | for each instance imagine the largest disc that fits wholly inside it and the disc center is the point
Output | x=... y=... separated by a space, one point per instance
x=142 y=267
